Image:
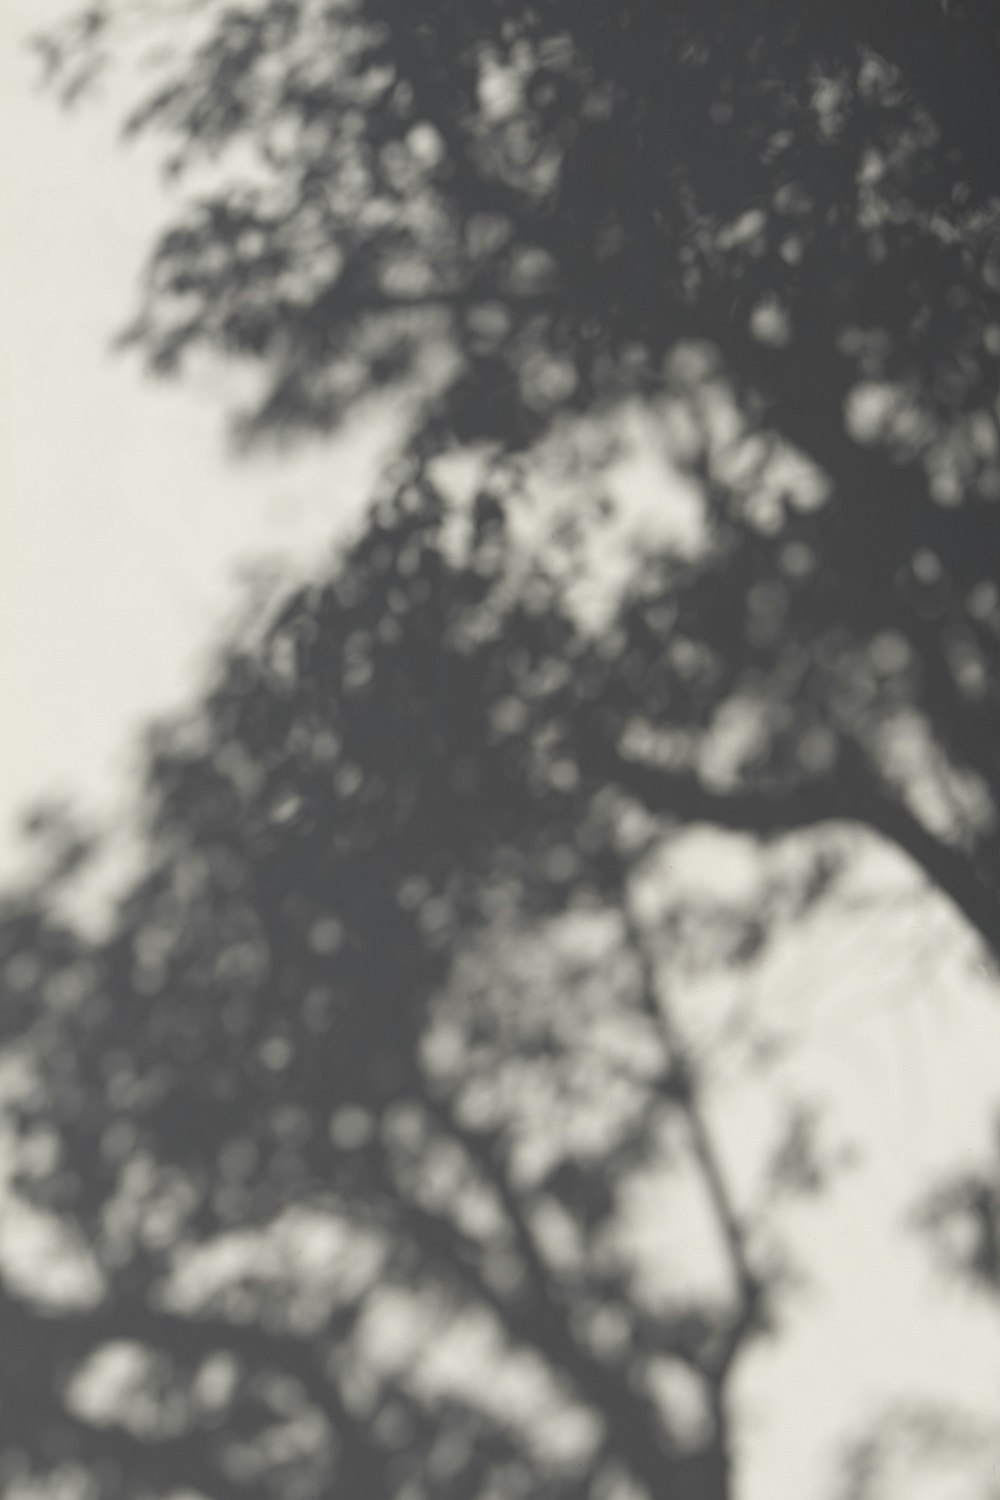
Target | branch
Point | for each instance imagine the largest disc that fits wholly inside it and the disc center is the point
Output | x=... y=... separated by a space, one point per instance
x=480 y=1147
x=682 y=795
x=632 y=1426
x=856 y=797
x=951 y=870
x=747 y=1284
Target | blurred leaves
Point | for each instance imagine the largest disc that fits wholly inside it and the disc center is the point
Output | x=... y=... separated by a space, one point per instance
x=774 y=229
x=349 y=1100
x=369 y=1047
x=963 y=1219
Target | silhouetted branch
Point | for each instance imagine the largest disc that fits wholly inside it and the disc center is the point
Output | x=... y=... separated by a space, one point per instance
x=853 y=797
x=632 y=1426
x=680 y=1086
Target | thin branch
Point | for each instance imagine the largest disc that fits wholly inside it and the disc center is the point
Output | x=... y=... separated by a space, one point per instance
x=482 y=1150
x=681 y=1088
x=854 y=797
x=632 y=1425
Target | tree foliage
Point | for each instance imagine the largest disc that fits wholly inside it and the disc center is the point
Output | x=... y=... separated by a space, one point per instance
x=775 y=228
x=342 y=1118
x=377 y=1050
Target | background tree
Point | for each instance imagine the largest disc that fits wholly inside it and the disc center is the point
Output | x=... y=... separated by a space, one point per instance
x=773 y=228
x=344 y=1117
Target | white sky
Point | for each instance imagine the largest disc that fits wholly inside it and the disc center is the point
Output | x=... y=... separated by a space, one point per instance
x=122 y=523
x=121 y=527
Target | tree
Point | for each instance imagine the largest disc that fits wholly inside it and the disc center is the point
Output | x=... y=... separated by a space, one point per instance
x=341 y=1116
x=775 y=228
x=396 y=860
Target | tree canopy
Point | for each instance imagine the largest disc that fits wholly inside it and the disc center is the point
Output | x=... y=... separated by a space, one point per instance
x=371 y=1051
x=344 y=1114
x=775 y=228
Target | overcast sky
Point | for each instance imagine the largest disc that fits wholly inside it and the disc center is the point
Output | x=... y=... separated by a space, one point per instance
x=123 y=526
x=123 y=522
